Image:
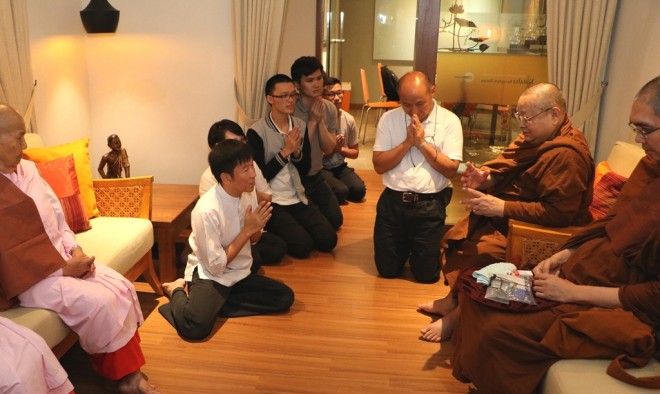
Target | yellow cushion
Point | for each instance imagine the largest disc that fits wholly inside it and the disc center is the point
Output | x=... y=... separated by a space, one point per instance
x=80 y=151
x=601 y=169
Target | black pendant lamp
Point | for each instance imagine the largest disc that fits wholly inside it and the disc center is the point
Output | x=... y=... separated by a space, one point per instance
x=100 y=17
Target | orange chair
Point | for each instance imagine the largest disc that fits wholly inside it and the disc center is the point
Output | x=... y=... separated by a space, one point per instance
x=379 y=105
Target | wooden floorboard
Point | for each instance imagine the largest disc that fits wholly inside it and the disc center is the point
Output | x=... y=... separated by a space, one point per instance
x=349 y=331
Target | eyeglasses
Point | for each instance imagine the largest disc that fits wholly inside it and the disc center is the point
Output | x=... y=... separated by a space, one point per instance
x=289 y=96
x=527 y=119
x=640 y=131
x=333 y=94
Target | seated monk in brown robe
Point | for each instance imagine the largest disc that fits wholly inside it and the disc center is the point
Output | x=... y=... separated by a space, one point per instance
x=545 y=177
x=604 y=283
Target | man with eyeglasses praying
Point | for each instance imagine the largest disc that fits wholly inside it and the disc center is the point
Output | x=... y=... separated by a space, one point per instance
x=320 y=116
x=545 y=177
x=418 y=148
x=281 y=149
x=344 y=182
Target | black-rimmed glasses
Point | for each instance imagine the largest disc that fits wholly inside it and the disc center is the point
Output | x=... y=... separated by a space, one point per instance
x=640 y=131
x=292 y=96
x=332 y=94
x=527 y=119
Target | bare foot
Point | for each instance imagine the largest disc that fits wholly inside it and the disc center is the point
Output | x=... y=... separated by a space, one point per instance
x=441 y=329
x=440 y=306
x=169 y=287
x=136 y=383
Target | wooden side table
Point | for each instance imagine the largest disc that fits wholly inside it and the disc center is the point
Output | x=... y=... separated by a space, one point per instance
x=170 y=214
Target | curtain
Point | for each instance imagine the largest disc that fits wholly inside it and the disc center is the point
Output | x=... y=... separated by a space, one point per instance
x=578 y=40
x=258 y=27
x=16 y=81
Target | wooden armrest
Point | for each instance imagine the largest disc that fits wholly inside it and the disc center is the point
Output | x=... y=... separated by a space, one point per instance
x=532 y=243
x=124 y=197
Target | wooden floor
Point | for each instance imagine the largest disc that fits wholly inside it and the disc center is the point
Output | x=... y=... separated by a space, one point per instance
x=349 y=331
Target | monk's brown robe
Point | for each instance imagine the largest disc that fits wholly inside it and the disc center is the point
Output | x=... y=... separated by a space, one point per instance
x=550 y=184
x=26 y=253
x=621 y=250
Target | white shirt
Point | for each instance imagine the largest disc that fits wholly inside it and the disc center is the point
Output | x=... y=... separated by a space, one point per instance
x=347 y=128
x=442 y=129
x=207 y=181
x=216 y=221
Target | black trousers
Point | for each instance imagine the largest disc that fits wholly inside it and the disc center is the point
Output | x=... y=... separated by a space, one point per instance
x=410 y=231
x=319 y=193
x=345 y=183
x=194 y=316
x=268 y=251
x=303 y=228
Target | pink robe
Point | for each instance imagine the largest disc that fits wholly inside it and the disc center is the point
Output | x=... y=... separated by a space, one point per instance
x=24 y=358
x=102 y=308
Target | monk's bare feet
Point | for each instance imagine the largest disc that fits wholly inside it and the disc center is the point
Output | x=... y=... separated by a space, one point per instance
x=169 y=287
x=136 y=383
x=440 y=306
x=441 y=329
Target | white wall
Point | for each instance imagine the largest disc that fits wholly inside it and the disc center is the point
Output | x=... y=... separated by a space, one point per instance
x=633 y=60
x=159 y=82
x=62 y=106
x=299 y=36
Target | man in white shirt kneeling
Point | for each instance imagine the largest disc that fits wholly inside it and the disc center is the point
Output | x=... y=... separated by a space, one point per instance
x=217 y=279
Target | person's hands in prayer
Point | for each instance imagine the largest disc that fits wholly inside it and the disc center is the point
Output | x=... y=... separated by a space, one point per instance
x=255 y=219
x=483 y=204
x=79 y=265
x=339 y=142
x=417 y=130
x=551 y=287
x=473 y=177
x=316 y=112
x=552 y=264
x=292 y=141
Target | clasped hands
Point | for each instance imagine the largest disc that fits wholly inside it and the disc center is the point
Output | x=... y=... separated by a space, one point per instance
x=481 y=203
x=255 y=219
x=292 y=142
x=548 y=284
x=79 y=265
x=415 y=132
x=339 y=142
x=316 y=110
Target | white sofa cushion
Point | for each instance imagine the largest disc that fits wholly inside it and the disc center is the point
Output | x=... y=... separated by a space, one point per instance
x=116 y=242
x=589 y=376
x=135 y=235
x=624 y=157
x=42 y=321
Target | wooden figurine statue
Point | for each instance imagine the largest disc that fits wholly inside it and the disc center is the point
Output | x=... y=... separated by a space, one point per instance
x=116 y=160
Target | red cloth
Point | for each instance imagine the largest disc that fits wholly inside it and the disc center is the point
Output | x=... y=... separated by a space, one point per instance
x=622 y=251
x=124 y=361
x=26 y=253
x=549 y=184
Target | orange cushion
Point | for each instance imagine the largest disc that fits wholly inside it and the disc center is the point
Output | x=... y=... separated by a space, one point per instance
x=605 y=193
x=601 y=169
x=61 y=176
x=80 y=151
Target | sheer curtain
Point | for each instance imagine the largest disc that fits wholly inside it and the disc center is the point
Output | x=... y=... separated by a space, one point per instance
x=578 y=40
x=258 y=26
x=15 y=67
